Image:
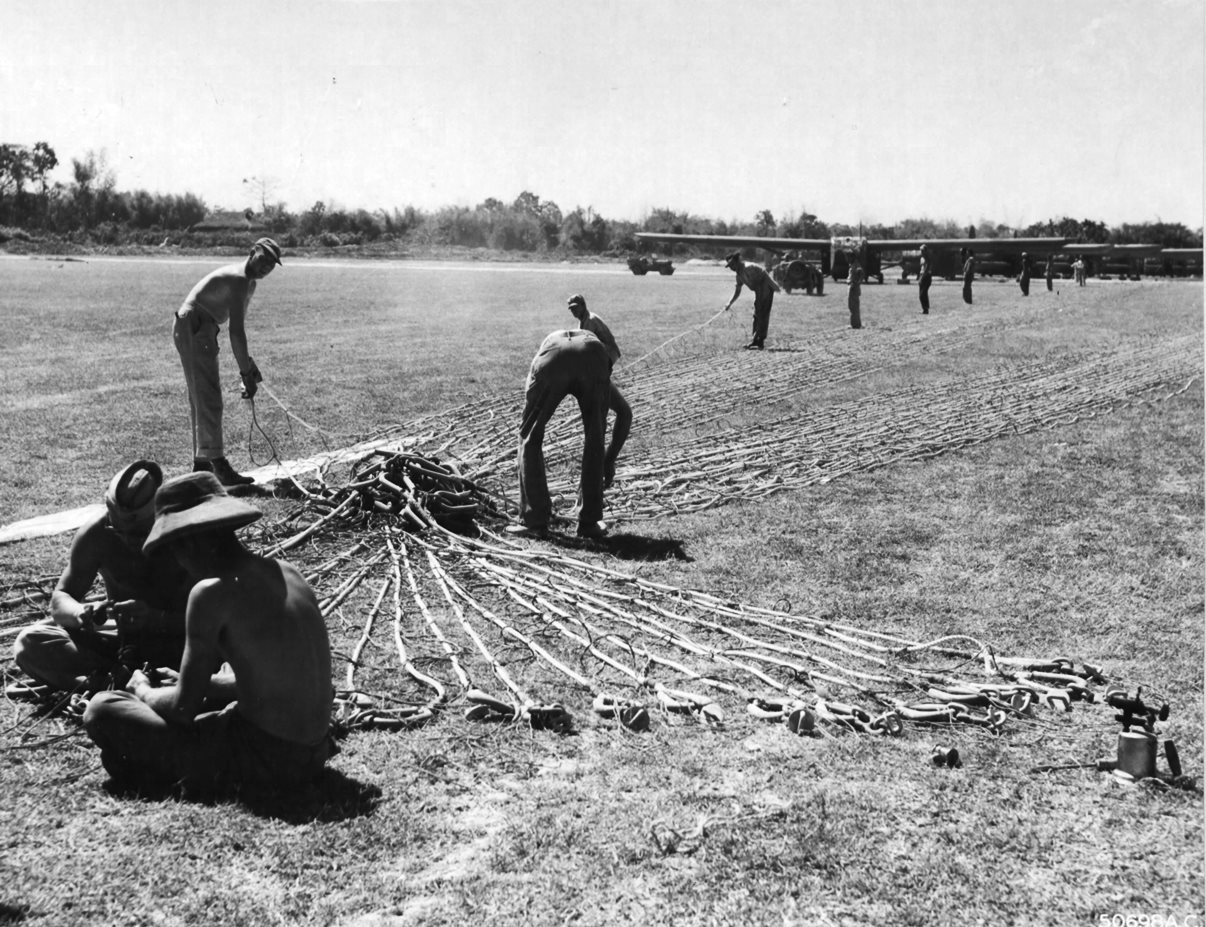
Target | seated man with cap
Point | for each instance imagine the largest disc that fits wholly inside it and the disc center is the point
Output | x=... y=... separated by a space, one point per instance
x=255 y=614
x=80 y=647
x=221 y=296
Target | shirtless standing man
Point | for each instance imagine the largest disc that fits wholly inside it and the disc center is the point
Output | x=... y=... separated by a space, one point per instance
x=221 y=297
x=259 y=616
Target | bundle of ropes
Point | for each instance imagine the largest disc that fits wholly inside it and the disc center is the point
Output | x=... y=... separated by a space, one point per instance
x=512 y=632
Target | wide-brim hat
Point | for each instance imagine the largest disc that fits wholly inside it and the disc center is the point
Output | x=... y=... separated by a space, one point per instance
x=732 y=259
x=192 y=504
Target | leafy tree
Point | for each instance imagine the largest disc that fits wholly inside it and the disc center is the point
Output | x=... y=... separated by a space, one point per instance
x=14 y=169
x=312 y=219
x=764 y=223
x=43 y=160
x=92 y=192
x=806 y=225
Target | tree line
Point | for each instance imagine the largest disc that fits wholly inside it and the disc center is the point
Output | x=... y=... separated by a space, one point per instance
x=91 y=210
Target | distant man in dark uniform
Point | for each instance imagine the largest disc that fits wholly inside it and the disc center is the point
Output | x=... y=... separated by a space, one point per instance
x=764 y=289
x=1024 y=278
x=589 y=322
x=855 y=281
x=924 y=279
x=571 y=362
x=969 y=274
x=1049 y=271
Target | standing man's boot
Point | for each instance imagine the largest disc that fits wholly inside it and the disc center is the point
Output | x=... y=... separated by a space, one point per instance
x=227 y=475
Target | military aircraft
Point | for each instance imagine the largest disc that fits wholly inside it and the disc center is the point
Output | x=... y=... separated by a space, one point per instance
x=994 y=256
x=1174 y=262
x=792 y=271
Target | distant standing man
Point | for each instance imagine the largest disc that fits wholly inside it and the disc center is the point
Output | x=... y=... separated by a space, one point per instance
x=764 y=290
x=1078 y=271
x=221 y=297
x=571 y=362
x=969 y=274
x=1024 y=277
x=142 y=619
x=1049 y=272
x=588 y=321
x=254 y=613
x=924 y=278
x=855 y=281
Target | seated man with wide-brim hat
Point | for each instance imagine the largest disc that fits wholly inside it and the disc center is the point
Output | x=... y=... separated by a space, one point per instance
x=255 y=614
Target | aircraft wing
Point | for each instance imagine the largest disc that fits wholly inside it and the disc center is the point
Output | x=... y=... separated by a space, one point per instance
x=1181 y=252
x=1136 y=251
x=986 y=245
x=979 y=245
x=741 y=241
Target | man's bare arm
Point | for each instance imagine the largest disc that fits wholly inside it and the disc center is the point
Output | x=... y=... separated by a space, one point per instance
x=83 y=565
x=183 y=701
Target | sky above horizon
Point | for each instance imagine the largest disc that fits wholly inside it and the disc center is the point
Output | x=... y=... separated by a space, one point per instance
x=858 y=112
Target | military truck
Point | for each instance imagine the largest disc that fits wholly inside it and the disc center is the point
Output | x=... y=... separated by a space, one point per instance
x=641 y=265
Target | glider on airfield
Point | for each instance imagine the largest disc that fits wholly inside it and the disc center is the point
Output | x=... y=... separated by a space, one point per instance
x=994 y=256
x=1174 y=262
x=793 y=272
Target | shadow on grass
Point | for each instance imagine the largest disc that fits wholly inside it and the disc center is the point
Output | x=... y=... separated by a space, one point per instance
x=625 y=546
x=14 y=913
x=331 y=797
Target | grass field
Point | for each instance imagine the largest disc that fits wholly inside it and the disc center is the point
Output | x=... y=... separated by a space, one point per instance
x=1077 y=535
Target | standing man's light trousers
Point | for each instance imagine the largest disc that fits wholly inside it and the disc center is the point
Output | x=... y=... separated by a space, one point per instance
x=196 y=338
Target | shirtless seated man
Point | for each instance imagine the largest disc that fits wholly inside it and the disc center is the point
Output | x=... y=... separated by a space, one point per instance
x=87 y=645
x=255 y=614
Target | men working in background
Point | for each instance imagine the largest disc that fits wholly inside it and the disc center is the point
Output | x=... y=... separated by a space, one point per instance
x=969 y=273
x=220 y=297
x=1078 y=271
x=1049 y=272
x=257 y=614
x=764 y=290
x=1024 y=277
x=86 y=645
x=588 y=321
x=572 y=362
x=925 y=277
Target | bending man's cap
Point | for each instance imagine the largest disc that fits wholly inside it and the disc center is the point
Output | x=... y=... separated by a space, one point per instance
x=271 y=248
x=130 y=497
x=576 y=300
x=193 y=504
x=732 y=259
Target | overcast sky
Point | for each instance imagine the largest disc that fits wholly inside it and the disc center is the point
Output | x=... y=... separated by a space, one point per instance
x=1012 y=110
